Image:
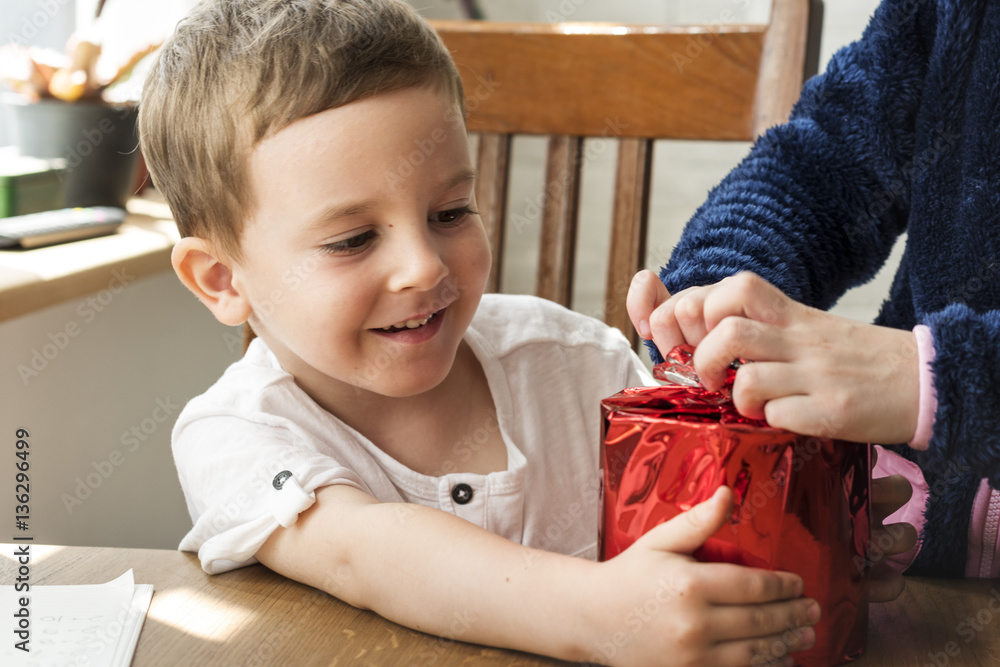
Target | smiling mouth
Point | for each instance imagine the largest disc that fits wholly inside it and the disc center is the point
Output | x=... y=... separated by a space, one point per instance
x=409 y=324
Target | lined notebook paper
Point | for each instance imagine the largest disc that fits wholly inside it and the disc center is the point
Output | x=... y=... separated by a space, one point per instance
x=95 y=625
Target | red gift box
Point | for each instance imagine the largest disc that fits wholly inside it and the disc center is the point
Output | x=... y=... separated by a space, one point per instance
x=801 y=503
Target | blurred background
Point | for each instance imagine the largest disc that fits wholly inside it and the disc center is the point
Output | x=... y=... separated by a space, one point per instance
x=154 y=346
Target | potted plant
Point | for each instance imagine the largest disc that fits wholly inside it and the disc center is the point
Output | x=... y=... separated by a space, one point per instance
x=60 y=108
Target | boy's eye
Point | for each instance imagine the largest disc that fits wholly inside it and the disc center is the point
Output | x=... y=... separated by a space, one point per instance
x=350 y=246
x=452 y=216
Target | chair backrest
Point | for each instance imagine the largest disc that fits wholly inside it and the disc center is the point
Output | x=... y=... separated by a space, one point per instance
x=634 y=83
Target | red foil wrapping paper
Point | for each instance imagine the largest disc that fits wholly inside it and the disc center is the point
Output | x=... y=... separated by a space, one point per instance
x=801 y=503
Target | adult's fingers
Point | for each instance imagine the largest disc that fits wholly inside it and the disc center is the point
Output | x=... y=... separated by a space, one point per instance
x=688 y=312
x=740 y=338
x=761 y=381
x=807 y=415
x=645 y=294
x=748 y=295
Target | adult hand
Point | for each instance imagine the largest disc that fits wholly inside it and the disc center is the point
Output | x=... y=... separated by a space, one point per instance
x=812 y=373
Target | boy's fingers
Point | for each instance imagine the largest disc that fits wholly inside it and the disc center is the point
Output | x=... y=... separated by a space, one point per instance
x=689 y=530
x=730 y=584
x=645 y=294
x=772 y=650
x=761 y=620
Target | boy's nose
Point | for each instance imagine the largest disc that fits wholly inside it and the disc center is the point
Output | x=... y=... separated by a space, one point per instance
x=418 y=264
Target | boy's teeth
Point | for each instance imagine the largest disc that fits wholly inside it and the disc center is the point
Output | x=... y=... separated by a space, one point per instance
x=410 y=324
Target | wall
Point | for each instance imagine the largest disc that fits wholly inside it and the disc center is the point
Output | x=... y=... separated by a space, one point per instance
x=45 y=23
x=99 y=406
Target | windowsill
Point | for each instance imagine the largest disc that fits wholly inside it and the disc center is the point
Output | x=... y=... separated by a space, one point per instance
x=31 y=280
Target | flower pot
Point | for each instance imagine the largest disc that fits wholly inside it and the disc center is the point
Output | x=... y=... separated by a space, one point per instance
x=97 y=140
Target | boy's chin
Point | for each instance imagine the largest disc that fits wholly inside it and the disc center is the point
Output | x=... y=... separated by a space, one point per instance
x=405 y=385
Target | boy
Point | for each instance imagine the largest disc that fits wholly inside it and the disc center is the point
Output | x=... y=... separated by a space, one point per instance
x=391 y=426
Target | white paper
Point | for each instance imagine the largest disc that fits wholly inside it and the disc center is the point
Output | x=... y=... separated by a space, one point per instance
x=84 y=626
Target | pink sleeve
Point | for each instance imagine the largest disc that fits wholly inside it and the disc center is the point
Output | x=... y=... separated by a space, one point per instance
x=928 y=395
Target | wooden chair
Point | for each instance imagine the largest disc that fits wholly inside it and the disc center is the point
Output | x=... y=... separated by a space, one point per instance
x=635 y=83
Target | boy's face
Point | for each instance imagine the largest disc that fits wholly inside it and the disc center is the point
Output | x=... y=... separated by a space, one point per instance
x=363 y=263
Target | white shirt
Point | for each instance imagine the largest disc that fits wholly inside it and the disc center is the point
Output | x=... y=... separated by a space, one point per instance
x=548 y=369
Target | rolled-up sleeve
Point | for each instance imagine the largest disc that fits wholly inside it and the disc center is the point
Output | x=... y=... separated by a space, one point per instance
x=242 y=480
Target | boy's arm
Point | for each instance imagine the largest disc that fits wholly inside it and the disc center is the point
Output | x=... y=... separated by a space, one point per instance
x=440 y=574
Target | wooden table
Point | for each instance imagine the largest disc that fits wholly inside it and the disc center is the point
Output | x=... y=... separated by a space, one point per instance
x=254 y=617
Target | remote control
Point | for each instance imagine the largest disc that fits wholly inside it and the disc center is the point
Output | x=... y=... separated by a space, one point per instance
x=65 y=224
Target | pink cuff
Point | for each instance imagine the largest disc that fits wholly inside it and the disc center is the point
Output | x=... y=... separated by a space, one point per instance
x=928 y=395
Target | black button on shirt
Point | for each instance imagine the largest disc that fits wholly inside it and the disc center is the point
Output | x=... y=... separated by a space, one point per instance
x=461 y=493
x=280 y=479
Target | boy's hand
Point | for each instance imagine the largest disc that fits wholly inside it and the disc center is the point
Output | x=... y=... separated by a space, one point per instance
x=888 y=495
x=658 y=606
x=813 y=373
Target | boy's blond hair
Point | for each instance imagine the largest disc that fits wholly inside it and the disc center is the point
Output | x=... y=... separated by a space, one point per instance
x=238 y=71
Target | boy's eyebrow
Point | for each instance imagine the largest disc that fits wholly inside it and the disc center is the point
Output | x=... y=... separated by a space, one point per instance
x=331 y=213
x=464 y=176
x=335 y=211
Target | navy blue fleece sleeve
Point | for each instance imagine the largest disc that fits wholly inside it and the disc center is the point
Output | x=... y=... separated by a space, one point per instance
x=817 y=204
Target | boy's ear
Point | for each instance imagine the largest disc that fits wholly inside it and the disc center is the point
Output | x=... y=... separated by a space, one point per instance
x=209 y=276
